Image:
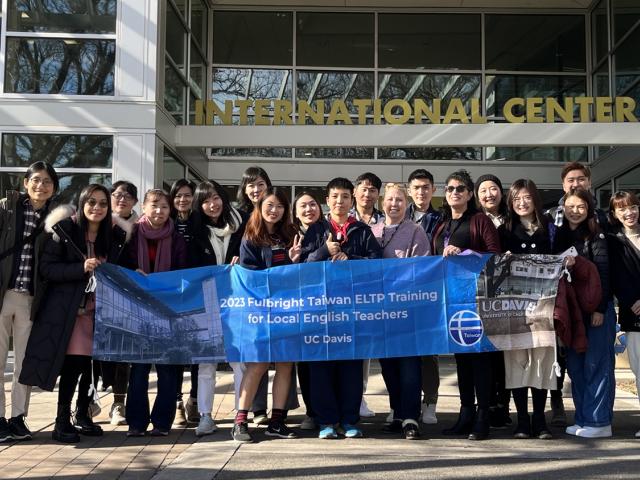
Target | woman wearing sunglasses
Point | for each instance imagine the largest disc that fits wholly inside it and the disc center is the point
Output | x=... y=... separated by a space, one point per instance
x=462 y=228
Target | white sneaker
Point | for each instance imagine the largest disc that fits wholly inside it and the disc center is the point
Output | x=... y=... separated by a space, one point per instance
x=365 y=411
x=206 y=426
x=573 y=429
x=429 y=414
x=638 y=434
x=390 y=417
x=117 y=414
x=594 y=432
x=308 y=423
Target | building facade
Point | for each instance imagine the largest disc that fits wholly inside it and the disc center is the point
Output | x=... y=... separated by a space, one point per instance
x=119 y=89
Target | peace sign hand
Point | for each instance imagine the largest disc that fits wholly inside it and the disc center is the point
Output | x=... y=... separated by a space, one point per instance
x=296 y=249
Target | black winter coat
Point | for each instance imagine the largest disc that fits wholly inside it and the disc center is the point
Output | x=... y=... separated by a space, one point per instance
x=625 y=279
x=594 y=250
x=200 y=250
x=360 y=243
x=62 y=270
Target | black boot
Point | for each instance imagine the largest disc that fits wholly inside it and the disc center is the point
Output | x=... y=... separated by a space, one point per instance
x=84 y=424
x=480 y=430
x=63 y=430
x=464 y=423
x=523 y=430
x=539 y=427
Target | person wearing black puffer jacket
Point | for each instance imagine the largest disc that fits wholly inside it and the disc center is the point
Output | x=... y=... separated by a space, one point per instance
x=61 y=340
x=592 y=372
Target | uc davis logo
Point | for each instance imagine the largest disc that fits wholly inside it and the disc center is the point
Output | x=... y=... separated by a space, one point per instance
x=465 y=328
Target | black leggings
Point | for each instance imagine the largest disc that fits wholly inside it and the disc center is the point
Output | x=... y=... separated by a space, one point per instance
x=538 y=396
x=73 y=367
x=193 y=393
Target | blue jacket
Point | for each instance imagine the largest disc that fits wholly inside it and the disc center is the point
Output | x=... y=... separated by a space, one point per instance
x=428 y=222
x=360 y=243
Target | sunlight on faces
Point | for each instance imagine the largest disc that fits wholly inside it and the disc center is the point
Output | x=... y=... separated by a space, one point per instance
x=394 y=203
x=272 y=210
x=575 y=211
x=339 y=202
x=255 y=189
x=156 y=209
x=455 y=199
x=39 y=186
x=96 y=207
x=307 y=210
x=523 y=203
x=122 y=202
x=421 y=191
x=489 y=196
x=576 y=179
x=627 y=215
x=212 y=207
x=183 y=199
x=366 y=195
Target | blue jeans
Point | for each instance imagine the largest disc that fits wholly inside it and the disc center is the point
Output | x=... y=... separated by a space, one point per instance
x=593 y=382
x=403 y=378
x=336 y=391
x=164 y=407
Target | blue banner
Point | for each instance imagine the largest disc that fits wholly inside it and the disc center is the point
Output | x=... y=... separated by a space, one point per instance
x=324 y=310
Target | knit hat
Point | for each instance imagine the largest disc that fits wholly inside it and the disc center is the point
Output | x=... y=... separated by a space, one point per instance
x=486 y=178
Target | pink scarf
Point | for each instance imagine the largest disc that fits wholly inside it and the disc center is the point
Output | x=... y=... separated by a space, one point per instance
x=163 y=252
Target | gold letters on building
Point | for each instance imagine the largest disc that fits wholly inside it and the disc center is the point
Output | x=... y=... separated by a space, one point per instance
x=400 y=112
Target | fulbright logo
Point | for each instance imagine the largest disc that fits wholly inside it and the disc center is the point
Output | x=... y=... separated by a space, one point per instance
x=465 y=328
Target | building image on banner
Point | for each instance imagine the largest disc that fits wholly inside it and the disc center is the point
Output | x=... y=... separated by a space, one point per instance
x=516 y=299
x=138 y=327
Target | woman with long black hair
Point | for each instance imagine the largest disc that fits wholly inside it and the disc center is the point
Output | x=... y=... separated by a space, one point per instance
x=462 y=228
x=216 y=241
x=61 y=341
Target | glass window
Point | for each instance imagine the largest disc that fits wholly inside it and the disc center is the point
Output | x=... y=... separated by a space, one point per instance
x=172 y=169
x=429 y=41
x=503 y=87
x=62 y=151
x=439 y=153
x=601 y=81
x=538 y=154
x=599 y=31
x=175 y=38
x=197 y=72
x=244 y=83
x=626 y=13
x=66 y=66
x=412 y=86
x=629 y=181
x=199 y=22
x=535 y=43
x=332 y=86
x=68 y=16
x=251 y=152
x=627 y=62
x=71 y=184
x=335 y=39
x=603 y=195
x=181 y=5
x=343 y=152
x=253 y=38
x=174 y=93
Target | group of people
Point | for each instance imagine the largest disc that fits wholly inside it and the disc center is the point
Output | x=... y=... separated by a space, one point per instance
x=48 y=258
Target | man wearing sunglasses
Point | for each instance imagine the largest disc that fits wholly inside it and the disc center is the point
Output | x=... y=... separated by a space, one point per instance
x=21 y=233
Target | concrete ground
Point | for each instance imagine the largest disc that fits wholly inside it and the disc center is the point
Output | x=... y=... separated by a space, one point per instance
x=377 y=456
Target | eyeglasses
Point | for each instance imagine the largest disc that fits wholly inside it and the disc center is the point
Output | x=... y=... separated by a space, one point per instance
x=123 y=196
x=525 y=199
x=45 y=182
x=457 y=189
x=92 y=202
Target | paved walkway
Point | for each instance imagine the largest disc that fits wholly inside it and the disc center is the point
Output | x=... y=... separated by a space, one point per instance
x=378 y=456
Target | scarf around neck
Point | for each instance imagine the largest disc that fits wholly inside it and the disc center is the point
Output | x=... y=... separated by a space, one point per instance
x=163 y=237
